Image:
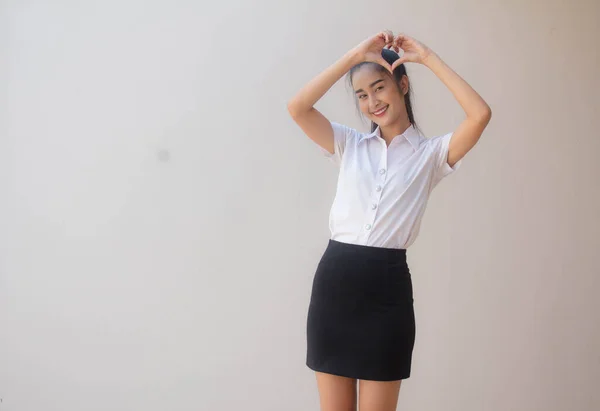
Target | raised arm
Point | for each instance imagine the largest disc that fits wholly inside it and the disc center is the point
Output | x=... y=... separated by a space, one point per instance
x=301 y=107
x=478 y=113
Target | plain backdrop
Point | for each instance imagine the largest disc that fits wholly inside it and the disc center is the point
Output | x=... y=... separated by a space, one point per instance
x=161 y=216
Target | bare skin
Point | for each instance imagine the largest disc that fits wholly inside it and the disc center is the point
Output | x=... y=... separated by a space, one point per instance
x=378 y=395
x=336 y=393
x=318 y=128
x=382 y=101
x=345 y=394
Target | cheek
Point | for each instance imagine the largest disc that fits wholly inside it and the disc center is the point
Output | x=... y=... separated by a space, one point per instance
x=363 y=104
x=397 y=100
x=391 y=96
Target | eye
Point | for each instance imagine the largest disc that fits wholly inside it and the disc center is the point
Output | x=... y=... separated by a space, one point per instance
x=362 y=96
x=379 y=88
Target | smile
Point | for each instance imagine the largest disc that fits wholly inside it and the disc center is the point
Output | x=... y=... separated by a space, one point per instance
x=380 y=112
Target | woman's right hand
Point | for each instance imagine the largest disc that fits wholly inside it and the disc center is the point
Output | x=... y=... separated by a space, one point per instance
x=370 y=49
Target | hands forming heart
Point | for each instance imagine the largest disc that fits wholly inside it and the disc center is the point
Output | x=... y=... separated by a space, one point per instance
x=413 y=51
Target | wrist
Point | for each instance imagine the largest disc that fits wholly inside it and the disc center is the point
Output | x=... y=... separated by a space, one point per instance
x=354 y=57
x=431 y=59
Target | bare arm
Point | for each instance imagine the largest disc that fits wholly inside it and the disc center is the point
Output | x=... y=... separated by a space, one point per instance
x=478 y=112
x=301 y=107
x=476 y=109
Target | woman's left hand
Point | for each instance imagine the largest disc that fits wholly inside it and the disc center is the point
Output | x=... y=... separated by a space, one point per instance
x=414 y=50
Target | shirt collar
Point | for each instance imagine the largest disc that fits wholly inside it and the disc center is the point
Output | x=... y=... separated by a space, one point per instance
x=411 y=134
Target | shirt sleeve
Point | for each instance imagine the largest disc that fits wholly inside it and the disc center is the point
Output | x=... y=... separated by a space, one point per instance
x=341 y=135
x=442 y=169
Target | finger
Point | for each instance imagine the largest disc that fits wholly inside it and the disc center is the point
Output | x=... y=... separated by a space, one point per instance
x=398 y=42
x=389 y=36
x=398 y=62
x=385 y=64
x=402 y=36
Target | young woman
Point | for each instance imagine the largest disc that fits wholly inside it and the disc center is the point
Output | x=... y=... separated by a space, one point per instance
x=361 y=322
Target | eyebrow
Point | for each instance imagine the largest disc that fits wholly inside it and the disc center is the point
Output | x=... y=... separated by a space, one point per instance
x=360 y=90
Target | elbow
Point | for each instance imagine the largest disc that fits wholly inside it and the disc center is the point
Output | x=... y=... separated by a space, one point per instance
x=484 y=115
x=292 y=108
x=296 y=108
x=488 y=113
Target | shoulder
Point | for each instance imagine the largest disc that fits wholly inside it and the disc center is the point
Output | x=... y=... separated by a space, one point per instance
x=438 y=140
x=346 y=133
x=345 y=138
x=437 y=144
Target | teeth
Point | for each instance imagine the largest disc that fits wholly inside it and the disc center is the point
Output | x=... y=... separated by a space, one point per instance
x=380 y=111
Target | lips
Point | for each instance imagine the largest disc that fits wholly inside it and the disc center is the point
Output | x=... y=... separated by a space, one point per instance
x=380 y=112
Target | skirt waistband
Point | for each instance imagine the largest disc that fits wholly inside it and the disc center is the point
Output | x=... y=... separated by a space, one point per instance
x=386 y=254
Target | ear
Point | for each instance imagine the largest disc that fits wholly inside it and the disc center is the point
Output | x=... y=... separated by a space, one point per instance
x=404 y=84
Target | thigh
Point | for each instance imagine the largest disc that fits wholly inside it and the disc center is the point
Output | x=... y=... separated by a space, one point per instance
x=336 y=393
x=378 y=395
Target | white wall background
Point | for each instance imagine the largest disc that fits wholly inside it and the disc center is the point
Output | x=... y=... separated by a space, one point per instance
x=161 y=217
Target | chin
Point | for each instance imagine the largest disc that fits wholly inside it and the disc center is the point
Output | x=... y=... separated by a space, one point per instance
x=392 y=120
x=382 y=122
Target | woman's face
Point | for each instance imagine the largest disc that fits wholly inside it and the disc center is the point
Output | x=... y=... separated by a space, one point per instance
x=378 y=95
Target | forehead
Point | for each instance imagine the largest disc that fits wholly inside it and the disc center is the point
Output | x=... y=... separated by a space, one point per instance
x=367 y=74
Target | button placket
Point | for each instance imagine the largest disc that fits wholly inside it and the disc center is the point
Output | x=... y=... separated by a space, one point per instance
x=379 y=184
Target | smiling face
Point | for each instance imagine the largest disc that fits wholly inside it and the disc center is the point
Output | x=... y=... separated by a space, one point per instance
x=380 y=98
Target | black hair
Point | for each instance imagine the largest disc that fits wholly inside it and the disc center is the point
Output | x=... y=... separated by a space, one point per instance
x=390 y=56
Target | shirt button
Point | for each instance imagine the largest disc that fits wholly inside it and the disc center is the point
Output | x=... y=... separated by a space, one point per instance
x=373 y=207
x=378 y=188
x=368 y=226
x=382 y=171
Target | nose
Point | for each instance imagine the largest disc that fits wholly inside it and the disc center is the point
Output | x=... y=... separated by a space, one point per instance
x=375 y=105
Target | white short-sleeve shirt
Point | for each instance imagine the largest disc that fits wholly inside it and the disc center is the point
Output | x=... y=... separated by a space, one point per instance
x=382 y=191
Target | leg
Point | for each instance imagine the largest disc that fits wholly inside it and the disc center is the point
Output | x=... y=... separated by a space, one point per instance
x=336 y=393
x=378 y=395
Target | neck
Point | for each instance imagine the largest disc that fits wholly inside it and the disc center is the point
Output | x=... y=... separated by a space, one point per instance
x=390 y=131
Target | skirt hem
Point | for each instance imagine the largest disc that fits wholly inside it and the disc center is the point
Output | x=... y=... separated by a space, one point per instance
x=326 y=370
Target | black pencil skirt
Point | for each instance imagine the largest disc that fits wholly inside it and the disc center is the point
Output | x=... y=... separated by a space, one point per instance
x=361 y=320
